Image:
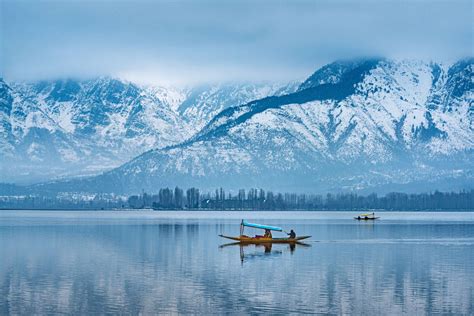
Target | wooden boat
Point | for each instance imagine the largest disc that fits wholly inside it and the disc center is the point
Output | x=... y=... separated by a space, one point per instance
x=366 y=217
x=265 y=244
x=243 y=239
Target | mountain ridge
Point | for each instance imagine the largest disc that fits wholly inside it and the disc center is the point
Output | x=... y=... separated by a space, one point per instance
x=70 y=127
x=402 y=122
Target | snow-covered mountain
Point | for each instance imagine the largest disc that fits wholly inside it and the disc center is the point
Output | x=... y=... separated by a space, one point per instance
x=69 y=127
x=372 y=124
x=365 y=124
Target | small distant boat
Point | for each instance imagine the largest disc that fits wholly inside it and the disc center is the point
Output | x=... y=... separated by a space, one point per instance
x=260 y=239
x=366 y=217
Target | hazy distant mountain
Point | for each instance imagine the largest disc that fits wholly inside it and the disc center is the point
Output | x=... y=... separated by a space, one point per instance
x=365 y=124
x=66 y=127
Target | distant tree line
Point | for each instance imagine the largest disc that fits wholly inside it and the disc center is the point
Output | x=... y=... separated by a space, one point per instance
x=258 y=199
x=253 y=199
x=84 y=202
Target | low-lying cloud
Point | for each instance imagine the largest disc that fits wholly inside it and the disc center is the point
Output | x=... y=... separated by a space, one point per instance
x=181 y=42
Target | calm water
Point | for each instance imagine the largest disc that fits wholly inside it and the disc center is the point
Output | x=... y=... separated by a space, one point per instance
x=169 y=262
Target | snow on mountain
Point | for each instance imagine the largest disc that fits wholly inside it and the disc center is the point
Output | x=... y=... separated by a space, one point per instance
x=352 y=125
x=6 y=100
x=65 y=127
x=205 y=102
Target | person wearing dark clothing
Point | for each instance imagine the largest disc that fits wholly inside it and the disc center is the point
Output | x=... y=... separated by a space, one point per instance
x=292 y=234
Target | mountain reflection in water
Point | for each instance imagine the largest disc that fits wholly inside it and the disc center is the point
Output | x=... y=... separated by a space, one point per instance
x=142 y=262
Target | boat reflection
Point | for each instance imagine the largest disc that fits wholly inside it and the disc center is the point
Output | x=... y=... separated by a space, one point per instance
x=267 y=249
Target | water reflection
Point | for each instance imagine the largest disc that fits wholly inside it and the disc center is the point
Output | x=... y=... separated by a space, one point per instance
x=266 y=247
x=147 y=266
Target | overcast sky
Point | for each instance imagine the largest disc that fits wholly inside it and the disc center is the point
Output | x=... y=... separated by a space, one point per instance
x=182 y=42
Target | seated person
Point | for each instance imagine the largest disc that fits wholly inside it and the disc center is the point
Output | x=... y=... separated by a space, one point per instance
x=268 y=234
x=292 y=234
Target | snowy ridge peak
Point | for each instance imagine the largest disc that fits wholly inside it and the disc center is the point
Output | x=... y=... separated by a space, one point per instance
x=333 y=90
x=70 y=126
x=203 y=103
x=370 y=125
x=333 y=73
x=352 y=125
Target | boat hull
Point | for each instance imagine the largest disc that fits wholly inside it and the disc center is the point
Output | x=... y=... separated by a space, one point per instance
x=253 y=240
x=366 y=218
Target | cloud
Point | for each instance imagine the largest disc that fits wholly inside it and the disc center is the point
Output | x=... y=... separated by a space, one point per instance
x=199 y=41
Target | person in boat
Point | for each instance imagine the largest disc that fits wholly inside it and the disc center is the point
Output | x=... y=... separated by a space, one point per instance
x=268 y=233
x=292 y=234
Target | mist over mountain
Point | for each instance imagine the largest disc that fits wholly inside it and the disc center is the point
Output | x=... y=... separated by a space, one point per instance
x=69 y=127
x=364 y=125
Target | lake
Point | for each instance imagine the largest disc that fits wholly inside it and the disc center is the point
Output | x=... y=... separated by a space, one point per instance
x=145 y=262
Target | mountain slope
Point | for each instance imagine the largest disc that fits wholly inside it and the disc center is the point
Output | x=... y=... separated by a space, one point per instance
x=69 y=127
x=365 y=125
x=204 y=102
